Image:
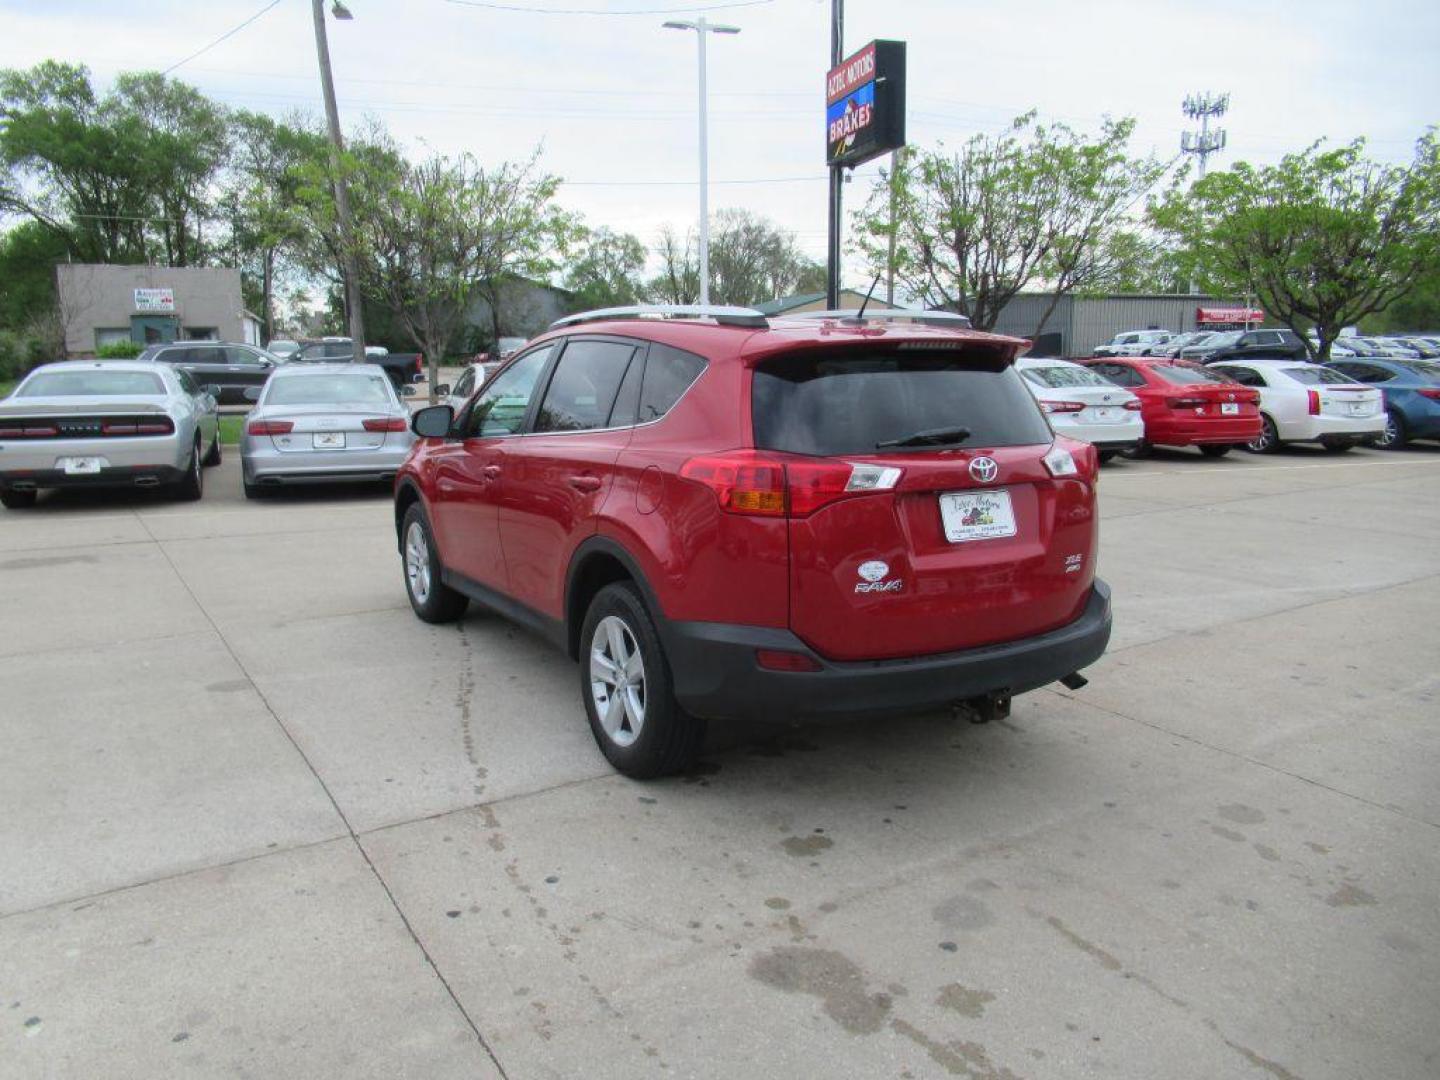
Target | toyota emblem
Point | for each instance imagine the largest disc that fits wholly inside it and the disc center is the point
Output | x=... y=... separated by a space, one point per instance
x=984 y=469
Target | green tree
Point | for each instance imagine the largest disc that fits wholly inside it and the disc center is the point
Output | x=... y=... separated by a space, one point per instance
x=752 y=260
x=607 y=270
x=1033 y=206
x=449 y=229
x=28 y=254
x=127 y=177
x=1325 y=238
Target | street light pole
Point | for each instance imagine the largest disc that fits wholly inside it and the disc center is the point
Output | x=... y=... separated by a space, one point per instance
x=342 y=194
x=703 y=26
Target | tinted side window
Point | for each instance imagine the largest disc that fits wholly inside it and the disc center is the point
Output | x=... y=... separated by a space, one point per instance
x=464 y=384
x=186 y=382
x=501 y=409
x=584 y=386
x=627 y=401
x=236 y=355
x=668 y=374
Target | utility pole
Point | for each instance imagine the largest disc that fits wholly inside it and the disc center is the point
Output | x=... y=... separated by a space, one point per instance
x=342 y=194
x=832 y=276
x=703 y=27
x=895 y=162
x=1204 y=142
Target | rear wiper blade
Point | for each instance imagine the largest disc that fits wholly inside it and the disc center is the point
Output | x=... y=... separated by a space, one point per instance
x=950 y=436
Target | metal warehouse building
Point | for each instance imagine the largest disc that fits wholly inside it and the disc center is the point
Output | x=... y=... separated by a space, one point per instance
x=1079 y=323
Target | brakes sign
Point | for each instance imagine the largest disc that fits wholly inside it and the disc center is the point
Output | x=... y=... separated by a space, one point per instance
x=865 y=104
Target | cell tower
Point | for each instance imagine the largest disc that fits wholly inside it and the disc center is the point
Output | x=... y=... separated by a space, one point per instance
x=1204 y=142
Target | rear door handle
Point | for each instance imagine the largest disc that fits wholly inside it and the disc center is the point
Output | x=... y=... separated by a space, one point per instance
x=585 y=483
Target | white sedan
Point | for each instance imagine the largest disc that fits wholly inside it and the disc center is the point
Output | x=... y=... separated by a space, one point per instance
x=1082 y=405
x=1303 y=402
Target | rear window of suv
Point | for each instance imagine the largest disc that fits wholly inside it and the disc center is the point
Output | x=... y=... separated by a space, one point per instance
x=828 y=404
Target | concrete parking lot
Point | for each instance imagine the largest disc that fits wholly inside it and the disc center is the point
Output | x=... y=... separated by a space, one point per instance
x=258 y=820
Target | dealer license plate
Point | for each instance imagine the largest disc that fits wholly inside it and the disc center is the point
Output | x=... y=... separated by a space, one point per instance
x=977 y=515
x=1230 y=408
x=1359 y=408
x=329 y=440
x=1101 y=414
x=81 y=466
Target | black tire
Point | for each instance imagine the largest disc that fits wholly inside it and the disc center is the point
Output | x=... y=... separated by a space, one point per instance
x=1394 y=436
x=1268 y=440
x=1216 y=450
x=668 y=738
x=192 y=487
x=1140 y=451
x=1339 y=446
x=1108 y=455
x=18 y=500
x=436 y=602
x=213 y=457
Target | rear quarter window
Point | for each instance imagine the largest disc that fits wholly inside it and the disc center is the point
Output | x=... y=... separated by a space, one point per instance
x=669 y=372
x=827 y=404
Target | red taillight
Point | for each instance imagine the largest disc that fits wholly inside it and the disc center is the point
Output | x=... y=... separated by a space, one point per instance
x=269 y=427
x=1314 y=398
x=393 y=423
x=1062 y=406
x=747 y=482
x=1433 y=393
x=1185 y=402
x=32 y=432
x=1133 y=405
x=744 y=482
x=780 y=660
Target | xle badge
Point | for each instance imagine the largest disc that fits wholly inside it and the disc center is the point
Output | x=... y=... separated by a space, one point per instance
x=872 y=575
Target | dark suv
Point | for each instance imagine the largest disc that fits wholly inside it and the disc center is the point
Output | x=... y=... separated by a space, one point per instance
x=1284 y=343
x=232 y=367
x=725 y=517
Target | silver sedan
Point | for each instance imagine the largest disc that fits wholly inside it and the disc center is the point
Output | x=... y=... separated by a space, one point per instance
x=98 y=423
x=323 y=422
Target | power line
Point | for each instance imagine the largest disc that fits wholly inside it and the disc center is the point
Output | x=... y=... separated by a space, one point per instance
x=517 y=9
x=228 y=33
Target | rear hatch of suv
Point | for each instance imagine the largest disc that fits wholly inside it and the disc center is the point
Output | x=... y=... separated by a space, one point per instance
x=928 y=510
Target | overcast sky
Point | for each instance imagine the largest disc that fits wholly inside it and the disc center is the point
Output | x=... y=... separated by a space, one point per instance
x=611 y=98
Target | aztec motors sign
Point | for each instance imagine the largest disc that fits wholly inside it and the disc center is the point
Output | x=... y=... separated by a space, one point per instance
x=865 y=104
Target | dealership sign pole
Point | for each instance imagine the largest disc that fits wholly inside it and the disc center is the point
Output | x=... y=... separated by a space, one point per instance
x=864 y=118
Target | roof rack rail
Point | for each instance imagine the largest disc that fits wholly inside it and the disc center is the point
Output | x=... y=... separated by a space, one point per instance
x=721 y=314
x=922 y=318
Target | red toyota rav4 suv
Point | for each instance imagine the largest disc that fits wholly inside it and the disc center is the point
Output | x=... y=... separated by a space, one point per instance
x=725 y=517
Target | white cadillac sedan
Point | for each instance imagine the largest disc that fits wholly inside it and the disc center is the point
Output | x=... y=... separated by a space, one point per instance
x=1080 y=404
x=1304 y=402
x=324 y=422
x=97 y=423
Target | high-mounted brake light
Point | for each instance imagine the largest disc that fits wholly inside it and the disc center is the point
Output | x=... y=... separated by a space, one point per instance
x=1062 y=406
x=382 y=423
x=747 y=482
x=269 y=427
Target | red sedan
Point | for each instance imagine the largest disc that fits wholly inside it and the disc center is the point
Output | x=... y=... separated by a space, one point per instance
x=1184 y=404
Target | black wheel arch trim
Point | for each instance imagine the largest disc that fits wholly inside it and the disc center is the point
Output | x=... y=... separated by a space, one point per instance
x=407 y=491
x=606 y=546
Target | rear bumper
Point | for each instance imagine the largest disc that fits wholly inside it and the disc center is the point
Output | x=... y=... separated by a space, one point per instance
x=716 y=674
x=262 y=465
x=1320 y=427
x=1124 y=434
x=1204 y=432
x=118 y=476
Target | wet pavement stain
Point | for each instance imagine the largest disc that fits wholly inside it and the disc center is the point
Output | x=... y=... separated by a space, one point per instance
x=1349 y=895
x=958 y=1058
x=37 y=562
x=1266 y=852
x=464 y=693
x=828 y=975
x=1241 y=814
x=229 y=686
x=962 y=913
x=777 y=903
x=1228 y=834
x=964 y=1000
x=32 y=1026
x=806 y=845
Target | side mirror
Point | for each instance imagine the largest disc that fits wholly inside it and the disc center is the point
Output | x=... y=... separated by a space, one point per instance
x=407 y=390
x=417 y=377
x=443 y=390
x=252 y=393
x=434 y=422
x=212 y=390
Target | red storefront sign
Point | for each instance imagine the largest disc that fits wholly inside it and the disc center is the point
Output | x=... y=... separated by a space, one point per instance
x=1212 y=316
x=851 y=72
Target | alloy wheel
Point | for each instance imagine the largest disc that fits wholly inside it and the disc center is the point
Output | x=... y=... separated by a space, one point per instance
x=417 y=562
x=1391 y=434
x=617 y=680
x=1265 y=440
